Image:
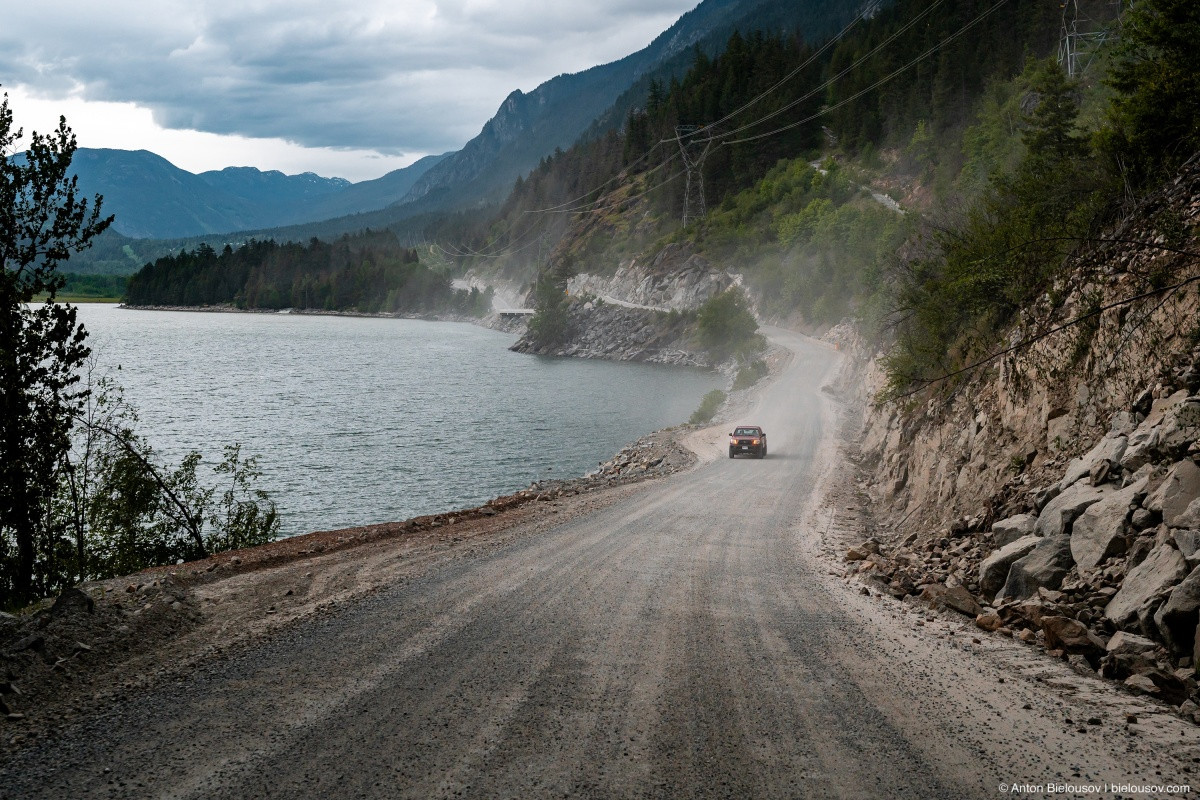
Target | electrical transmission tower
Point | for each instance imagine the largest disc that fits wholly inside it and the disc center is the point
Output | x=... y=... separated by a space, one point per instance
x=1081 y=36
x=693 y=149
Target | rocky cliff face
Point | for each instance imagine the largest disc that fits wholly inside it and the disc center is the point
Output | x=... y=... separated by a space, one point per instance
x=1055 y=493
x=640 y=313
x=617 y=333
x=674 y=279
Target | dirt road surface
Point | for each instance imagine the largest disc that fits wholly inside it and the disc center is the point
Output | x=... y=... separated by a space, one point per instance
x=689 y=640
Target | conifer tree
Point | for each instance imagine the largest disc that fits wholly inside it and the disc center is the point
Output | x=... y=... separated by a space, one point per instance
x=42 y=221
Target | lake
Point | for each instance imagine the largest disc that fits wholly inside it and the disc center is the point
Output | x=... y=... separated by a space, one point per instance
x=363 y=420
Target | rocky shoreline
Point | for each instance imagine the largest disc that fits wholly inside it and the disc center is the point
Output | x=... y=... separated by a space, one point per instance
x=597 y=329
x=225 y=308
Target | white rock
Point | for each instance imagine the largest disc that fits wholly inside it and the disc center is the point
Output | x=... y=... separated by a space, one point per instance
x=1129 y=644
x=1007 y=531
x=994 y=570
x=1110 y=449
x=1099 y=531
x=1058 y=515
x=1177 y=495
x=1161 y=570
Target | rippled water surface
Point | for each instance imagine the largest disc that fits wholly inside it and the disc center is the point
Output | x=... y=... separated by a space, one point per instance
x=370 y=420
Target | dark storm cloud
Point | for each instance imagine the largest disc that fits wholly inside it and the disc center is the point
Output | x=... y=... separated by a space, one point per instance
x=407 y=76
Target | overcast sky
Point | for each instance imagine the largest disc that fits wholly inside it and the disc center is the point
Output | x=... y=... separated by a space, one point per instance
x=347 y=89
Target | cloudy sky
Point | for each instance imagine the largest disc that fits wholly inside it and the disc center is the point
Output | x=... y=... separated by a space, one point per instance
x=353 y=89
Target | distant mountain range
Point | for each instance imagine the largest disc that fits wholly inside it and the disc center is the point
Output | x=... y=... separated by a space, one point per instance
x=154 y=199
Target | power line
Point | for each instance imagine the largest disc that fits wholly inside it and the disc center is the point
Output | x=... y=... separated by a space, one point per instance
x=877 y=83
x=693 y=152
x=572 y=206
x=815 y=55
x=857 y=63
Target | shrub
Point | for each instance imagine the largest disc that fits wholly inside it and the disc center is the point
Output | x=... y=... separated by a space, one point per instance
x=750 y=374
x=727 y=327
x=708 y=407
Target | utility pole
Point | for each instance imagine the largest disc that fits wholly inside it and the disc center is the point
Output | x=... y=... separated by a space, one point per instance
x=694 y=150
x=1081 y=37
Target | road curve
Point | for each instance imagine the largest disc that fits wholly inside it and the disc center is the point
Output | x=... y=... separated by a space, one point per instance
x=686 y=643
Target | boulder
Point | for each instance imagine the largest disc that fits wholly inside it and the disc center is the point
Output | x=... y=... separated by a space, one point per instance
x=1176 y=620
x=1191 y=517
x=1161 y=570
x=1180 y=427
x=72 y=601
x=1059 y=514
x=1046 y=565
x=962 y=601
x=1141 y=684
x=989 y=621
x=1166 y=431
x=1124 y=643
x=1099 y=532
x=1164 y=408
x=1109 y=451
x=956 y=598
x=1007 y=531
x=1029 y=611
x=1176 y=499
x=1071 y=636
x=994 y=570
x=1142 y=448
x=1043 y=496
x=1122 y=424
x=1141 y=519
x=1171 y=687
x=1188 y=543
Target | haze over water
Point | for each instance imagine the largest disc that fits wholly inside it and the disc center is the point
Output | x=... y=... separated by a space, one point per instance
x=361 y=420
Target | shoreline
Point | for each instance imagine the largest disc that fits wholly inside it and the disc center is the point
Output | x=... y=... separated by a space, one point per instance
x=306 y=312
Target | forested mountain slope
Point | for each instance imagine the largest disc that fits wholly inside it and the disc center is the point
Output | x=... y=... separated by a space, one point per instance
x=529 y=126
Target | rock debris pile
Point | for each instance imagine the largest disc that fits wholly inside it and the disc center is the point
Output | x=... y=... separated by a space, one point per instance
x=65 y=639
x=1102 y=567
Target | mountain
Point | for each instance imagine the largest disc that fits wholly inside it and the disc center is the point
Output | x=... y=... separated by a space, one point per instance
x=271 y=194
x=372 y=195
x=530 y=126
x=151 y=197
x=154 y=199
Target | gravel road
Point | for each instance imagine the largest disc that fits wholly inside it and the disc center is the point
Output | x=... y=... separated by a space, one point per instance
x=689 y=641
